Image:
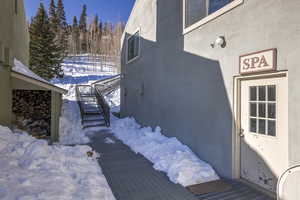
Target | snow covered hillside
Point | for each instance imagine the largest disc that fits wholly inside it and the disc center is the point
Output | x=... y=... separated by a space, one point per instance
x=78 y=71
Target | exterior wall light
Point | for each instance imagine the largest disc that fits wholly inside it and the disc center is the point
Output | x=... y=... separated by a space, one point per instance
x=220 y=41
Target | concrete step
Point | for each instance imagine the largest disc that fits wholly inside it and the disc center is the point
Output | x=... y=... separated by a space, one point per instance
x=94 y=125
x=92 y=117
x=92 y=122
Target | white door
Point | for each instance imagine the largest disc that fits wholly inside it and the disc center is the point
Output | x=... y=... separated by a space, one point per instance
x=264 y=134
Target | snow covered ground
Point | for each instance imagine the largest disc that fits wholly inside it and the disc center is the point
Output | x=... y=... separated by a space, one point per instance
x=33 y=170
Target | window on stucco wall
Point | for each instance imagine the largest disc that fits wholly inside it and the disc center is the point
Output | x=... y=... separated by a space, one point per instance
x=195 y=10
x=133 y=46
x=16 y=7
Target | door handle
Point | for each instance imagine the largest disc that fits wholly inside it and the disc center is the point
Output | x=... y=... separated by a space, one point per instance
x=242 y=133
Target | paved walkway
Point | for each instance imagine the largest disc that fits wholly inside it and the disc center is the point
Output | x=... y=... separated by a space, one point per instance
x=239 y=191
x=132 y=177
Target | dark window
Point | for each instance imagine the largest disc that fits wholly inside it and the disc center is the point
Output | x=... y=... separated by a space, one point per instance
x=16 y=7
x=195 y=10
x=133 y=46
x=215 y=5
x=271 y=93
x=253 y=93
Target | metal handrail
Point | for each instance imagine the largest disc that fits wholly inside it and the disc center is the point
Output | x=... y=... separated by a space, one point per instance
x=108 y=88
x=107 y=80
x=98 y=90
x=104 y=105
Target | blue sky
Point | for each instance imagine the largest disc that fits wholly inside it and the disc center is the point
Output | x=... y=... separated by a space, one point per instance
x=108 y=10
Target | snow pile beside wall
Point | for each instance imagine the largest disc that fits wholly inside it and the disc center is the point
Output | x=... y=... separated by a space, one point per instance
x=70 y=129
x=168 y=154
x=113 y=98
x=31 y=169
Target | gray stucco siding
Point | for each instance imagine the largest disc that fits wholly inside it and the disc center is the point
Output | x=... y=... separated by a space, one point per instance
x=188 y=85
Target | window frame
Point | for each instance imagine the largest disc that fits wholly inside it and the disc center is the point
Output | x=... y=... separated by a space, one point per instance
x=138 y=30
x=209 y=17
x=266 y=117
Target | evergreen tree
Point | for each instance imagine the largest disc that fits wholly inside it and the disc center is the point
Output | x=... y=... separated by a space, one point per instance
x=61 y=14
x=83 y=30
x=63 y=27
x=75 y=36
x=96 y=22
x=45 y=55
x=54 y=21
x=83 y=19
x=75 y=22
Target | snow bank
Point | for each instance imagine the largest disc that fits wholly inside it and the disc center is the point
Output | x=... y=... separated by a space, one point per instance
x=113 y=98
x=22 y=69
x=33 y=170
x=71 y=131
x=168 y=154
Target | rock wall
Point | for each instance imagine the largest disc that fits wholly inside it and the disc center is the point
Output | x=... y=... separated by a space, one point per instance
x=32 y=110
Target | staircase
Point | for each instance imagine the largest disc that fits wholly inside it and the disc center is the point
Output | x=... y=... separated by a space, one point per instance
x=95 y=111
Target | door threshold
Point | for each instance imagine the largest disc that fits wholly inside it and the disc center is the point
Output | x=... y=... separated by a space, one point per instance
x=258 y=188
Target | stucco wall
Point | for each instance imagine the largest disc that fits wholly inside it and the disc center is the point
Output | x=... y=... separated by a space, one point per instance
x=5 y=41
x=21 y=35
x=5 y=96
x=188 y=85
x=14 y=36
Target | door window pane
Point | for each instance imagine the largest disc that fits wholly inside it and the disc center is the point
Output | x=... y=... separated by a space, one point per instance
x=253 y=93
x=253 y=125
x=253 y=109
x=271 y=93
x=262 y=126
x=262 y=93
x=272 y=128
x=272 y=110
x=262 y=110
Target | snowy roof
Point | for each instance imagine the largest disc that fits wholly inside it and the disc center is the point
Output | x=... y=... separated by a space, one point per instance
x=22 y=69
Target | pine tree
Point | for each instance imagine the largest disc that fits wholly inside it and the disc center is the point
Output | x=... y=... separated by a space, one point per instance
x=61 y=14
x=75 y=35
x=54 y=21
x=45 y=55
x=83 y=19
x=83 y=30
x=63 y=27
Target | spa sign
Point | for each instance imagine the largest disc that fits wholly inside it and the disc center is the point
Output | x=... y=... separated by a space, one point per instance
x=261 y=61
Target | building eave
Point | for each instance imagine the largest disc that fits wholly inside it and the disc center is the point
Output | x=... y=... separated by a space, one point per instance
x=38 y=82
